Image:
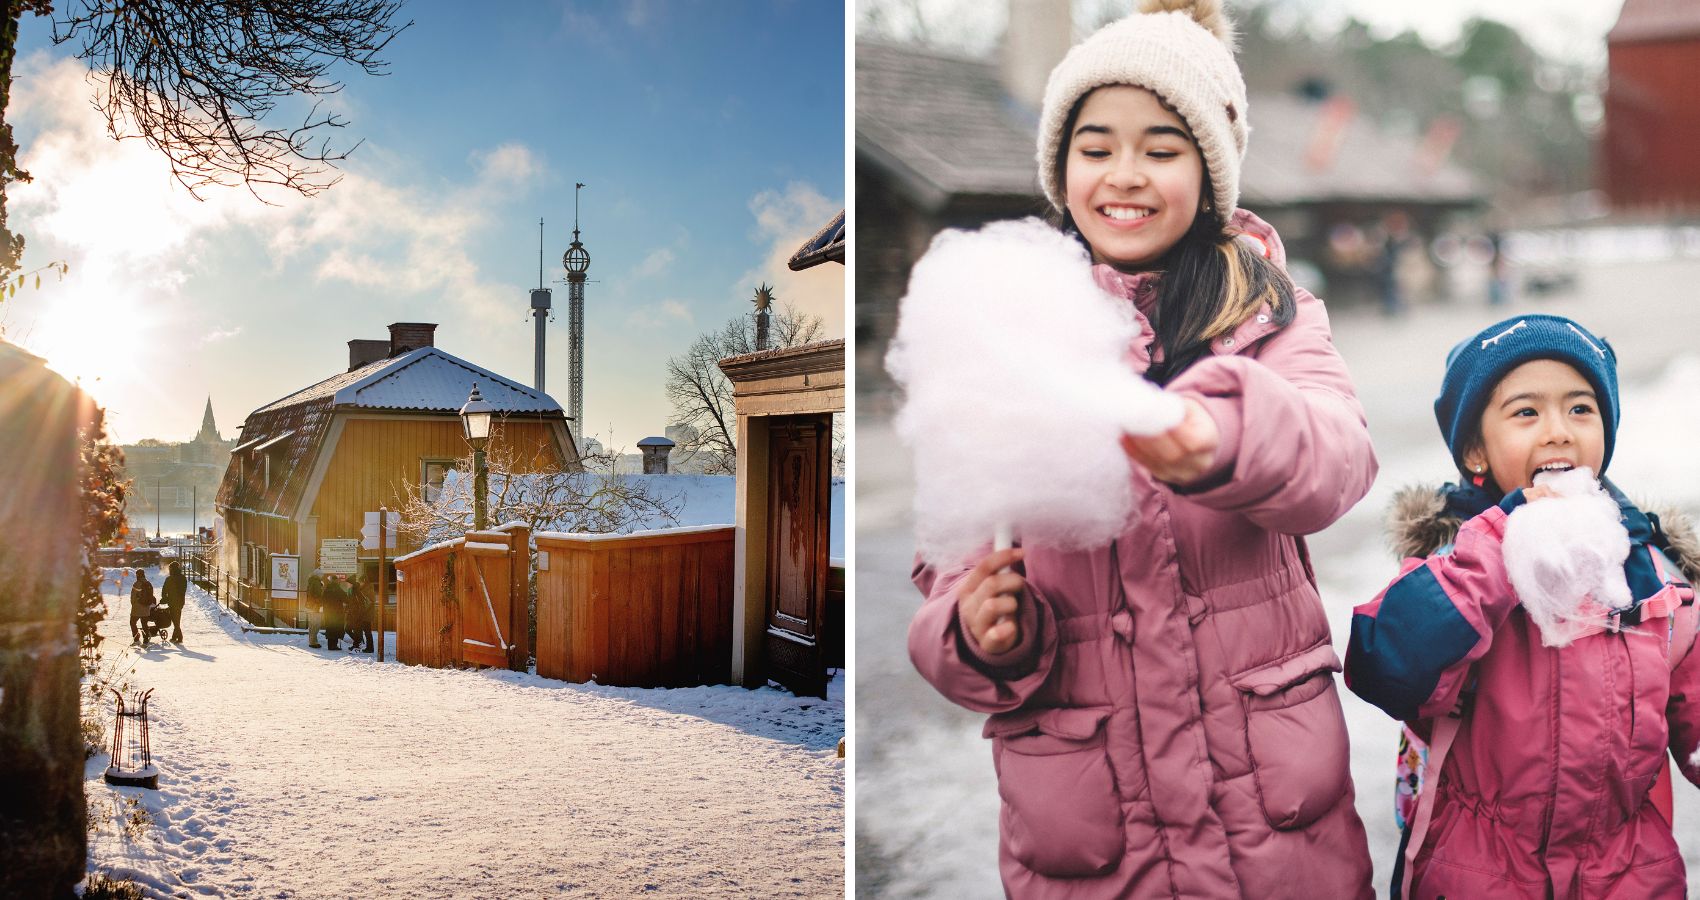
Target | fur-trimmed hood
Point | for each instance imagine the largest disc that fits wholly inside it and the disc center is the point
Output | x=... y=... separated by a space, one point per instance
x=1419 y=522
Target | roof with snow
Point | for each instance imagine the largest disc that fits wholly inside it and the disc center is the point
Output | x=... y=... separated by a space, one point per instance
x=827 y=245
x=1655 y=20
x=422 y=379
x=289 y=431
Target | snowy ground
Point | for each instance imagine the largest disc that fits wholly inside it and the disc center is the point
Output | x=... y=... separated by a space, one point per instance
x=926 y=800
x=289 y=772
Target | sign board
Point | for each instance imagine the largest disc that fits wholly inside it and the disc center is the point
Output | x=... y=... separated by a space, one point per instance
x=339 y=556
x=369 y=533
x=286 y=575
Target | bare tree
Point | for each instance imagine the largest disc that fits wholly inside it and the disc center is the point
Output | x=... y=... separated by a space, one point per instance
x=594 y=501
x=199 y=80
x=701 y=395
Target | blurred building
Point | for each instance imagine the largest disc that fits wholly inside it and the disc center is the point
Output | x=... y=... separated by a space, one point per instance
x=943 y=141
x=1648 y=157
x=176 y=481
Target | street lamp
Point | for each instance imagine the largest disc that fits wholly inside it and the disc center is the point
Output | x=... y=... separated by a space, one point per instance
x=476 y=416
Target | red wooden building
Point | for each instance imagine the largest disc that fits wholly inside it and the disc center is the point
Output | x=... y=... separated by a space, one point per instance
x=1647 y=157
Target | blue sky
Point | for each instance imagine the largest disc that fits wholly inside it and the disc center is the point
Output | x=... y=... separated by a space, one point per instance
x=710 y=136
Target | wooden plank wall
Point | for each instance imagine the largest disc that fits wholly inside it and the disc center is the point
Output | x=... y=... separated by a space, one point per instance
x=426 y=627
x=638 y=611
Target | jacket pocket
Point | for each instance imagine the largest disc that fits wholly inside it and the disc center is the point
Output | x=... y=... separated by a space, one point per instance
x=1296 y=736
x=1061 y=816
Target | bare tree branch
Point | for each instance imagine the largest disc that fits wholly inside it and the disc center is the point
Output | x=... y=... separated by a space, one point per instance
x=702 y=397
x=198 y=80
x=595 y=501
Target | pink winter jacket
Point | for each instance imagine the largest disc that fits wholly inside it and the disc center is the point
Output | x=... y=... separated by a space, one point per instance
x=1545 y=790
x=1169 y=725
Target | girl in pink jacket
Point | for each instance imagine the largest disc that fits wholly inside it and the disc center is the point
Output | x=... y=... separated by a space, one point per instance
x=1164 y=718
x=1541 y=715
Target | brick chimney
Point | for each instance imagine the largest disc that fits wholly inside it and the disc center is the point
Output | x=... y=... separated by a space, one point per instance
x=362 y=352
x=405 y=336
x=1037 y=37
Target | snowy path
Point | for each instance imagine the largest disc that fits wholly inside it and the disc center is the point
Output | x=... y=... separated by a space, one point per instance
x=289 y=772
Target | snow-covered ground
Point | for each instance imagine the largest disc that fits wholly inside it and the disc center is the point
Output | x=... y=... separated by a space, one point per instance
x=289 y=772
x=926 y=799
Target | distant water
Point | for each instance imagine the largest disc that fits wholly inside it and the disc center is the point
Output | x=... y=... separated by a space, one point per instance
x=172 y=522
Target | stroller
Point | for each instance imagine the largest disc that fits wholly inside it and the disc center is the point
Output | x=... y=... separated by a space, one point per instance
x=156 y=623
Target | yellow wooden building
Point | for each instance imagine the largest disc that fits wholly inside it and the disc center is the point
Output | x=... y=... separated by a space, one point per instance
x=311 y=465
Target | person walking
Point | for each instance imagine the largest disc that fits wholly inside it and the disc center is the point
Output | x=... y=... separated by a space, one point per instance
x=336 y=605
x=360 y=615
x=173 y=594
x=142 y=603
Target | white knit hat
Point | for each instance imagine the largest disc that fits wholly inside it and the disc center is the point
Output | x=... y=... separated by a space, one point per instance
x=1180 y=50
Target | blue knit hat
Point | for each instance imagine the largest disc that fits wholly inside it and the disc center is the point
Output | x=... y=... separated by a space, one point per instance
x=1474 y=368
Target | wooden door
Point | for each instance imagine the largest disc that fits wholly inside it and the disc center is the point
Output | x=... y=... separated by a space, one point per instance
x=799 y=475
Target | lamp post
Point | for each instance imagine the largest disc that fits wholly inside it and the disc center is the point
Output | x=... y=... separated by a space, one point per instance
x=475 y=416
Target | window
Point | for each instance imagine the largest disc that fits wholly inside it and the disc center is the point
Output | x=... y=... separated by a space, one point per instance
x=433 y=473
x=369 y=574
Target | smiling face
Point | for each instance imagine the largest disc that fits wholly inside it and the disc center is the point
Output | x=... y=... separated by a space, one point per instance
x=1132 y=175
x=1543 y=415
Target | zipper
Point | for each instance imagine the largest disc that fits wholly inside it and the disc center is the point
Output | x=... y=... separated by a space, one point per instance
x=1629 y=657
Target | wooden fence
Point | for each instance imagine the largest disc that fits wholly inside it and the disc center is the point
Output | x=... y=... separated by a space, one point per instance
x=466 y=602
x=652 y=609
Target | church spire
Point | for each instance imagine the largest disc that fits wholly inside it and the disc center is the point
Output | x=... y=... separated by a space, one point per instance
x=209 y=429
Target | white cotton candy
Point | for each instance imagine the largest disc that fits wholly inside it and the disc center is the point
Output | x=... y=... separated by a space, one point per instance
x=1564 y=550
x=1014 y=365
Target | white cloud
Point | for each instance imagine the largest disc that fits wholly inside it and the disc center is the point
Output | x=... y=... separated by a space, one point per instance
x=219 y=334
x=655 y=263
x=510 y=164
x=786 y=218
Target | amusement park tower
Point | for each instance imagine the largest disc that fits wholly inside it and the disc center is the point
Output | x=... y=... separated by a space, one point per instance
x=541 y=298
x=577 y=262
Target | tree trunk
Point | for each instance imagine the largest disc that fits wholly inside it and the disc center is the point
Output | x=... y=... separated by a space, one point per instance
x=11 y=245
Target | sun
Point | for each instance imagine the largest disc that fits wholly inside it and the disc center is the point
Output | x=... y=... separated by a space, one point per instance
x=100 y=343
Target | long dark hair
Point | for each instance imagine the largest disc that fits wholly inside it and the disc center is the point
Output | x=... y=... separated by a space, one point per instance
x=1211 y=281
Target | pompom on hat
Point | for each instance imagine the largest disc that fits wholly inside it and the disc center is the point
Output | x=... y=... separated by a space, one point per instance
x=1180 y=50
x=1476 y=366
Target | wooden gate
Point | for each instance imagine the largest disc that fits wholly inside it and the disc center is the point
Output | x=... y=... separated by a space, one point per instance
x=486 y=600
x=799 y=510
x=466 y=602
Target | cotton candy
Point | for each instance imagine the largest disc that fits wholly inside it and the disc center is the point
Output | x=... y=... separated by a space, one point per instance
x=1565 y=557
x=1014 y=365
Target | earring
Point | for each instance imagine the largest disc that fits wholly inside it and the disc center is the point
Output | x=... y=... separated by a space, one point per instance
x=1478 y=468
